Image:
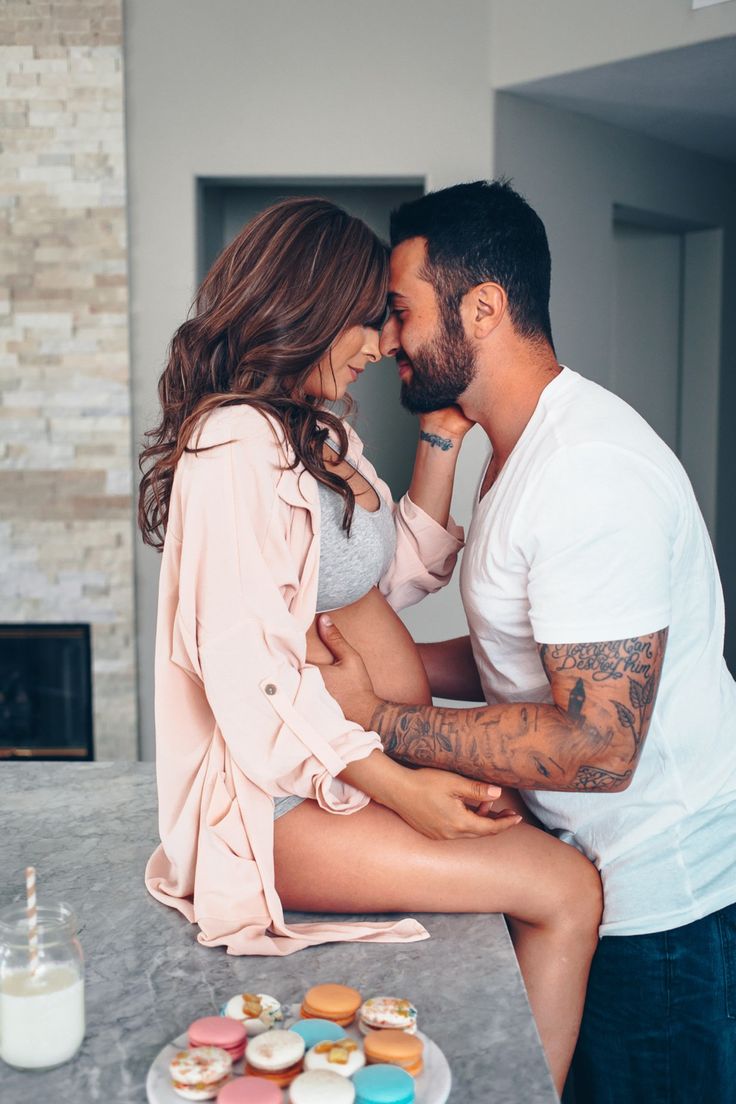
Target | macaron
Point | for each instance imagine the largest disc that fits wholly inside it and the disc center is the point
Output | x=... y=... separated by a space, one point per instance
x=218 y=1031
x=384 y=1085
x=317 y=1031
x=277 y=1056
x=250 y=1090
x=200 y=1072
x=321 y=1087
x=338 y=1003
x=258 y=1012
x=344 y=1056
x=380 y=1013
x=395 y=1048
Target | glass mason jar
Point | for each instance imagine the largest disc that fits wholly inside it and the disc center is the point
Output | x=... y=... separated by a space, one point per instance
x=41 y=1013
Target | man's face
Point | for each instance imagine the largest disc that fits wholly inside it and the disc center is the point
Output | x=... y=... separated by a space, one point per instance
x=435 y=358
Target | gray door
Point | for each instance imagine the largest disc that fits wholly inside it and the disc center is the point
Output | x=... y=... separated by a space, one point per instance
x=666 y=341
x=647 y=359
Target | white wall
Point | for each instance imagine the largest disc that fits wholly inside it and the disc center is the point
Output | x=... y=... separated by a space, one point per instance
x=573 y=170
x=271 y=88
x=532 y=39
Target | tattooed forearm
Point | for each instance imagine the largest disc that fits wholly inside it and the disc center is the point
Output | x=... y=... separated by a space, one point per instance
x=588 y=740
x=527 y=746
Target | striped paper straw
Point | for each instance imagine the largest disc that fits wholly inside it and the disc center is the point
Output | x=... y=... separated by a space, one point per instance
x=32 y=916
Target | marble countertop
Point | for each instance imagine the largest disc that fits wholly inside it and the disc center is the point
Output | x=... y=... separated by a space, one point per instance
x=89 y=828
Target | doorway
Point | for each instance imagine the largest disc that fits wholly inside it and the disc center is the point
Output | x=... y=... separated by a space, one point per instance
x=666 y=345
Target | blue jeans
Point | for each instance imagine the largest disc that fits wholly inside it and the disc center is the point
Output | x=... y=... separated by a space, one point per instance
x=659 y=1025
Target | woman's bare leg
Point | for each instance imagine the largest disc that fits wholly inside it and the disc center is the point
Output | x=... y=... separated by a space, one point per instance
x=549 y=892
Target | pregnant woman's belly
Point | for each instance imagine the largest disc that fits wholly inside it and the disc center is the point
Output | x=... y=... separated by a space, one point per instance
x=376 y=631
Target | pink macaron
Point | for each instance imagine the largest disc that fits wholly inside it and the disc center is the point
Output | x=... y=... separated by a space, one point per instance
x=219 y=1031
x=250 y=1090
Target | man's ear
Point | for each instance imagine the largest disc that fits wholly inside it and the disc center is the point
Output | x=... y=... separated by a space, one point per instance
x=483 y=308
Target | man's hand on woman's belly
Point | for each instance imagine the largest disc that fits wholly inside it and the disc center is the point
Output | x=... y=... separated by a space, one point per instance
x=391 y=657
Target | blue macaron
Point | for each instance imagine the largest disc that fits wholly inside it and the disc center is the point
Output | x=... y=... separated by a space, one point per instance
x=383 y=1084
x=318 y=1031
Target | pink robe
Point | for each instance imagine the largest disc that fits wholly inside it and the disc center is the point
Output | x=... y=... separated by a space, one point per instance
x=241 y=717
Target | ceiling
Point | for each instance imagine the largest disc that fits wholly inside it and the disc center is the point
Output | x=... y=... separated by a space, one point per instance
x=685 y=96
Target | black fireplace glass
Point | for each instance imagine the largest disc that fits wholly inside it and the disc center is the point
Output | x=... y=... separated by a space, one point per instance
x=45 y=692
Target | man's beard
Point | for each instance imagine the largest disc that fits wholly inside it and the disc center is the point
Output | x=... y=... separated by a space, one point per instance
x=440 y=370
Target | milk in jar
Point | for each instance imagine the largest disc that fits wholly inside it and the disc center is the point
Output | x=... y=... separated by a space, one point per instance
x=42 y=1020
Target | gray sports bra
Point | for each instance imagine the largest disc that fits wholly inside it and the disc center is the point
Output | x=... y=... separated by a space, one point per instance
x=350 y=566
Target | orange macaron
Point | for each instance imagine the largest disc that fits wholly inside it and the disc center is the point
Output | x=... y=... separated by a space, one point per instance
x=338 y=1003
x=394 y=1047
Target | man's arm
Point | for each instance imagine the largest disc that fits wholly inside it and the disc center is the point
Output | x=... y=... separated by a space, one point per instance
x=451 y=669
x=590 y=739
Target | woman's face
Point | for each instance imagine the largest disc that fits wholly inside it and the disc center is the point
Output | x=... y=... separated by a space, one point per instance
x=342 y=365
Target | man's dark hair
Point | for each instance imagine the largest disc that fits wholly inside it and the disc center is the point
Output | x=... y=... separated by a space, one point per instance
x=482 y=232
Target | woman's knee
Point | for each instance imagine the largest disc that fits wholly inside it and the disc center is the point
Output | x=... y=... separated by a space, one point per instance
x=568 y=898
x=581 y=901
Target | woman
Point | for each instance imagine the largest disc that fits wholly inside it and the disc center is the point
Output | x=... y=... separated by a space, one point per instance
x=267 y=512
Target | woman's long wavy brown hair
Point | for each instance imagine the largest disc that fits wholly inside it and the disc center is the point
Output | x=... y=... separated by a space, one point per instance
x=268 y=311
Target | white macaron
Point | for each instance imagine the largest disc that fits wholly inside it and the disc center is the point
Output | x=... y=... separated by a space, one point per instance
x=258 y=1012
x=200 y=1072
x=344 y=1056
x=382 y=1013
x=321 y=1087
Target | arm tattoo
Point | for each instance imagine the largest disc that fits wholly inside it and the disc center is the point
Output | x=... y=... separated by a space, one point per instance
x=588 y=740
x=594 y=779
x=432 y=439
x=576 y=701
x=605 y=662
x=609 y=662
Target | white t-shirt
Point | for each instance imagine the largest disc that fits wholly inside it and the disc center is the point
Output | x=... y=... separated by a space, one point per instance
x=591 y=532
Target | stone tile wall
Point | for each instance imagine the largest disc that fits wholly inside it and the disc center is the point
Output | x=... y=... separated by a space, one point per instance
x=65 y=451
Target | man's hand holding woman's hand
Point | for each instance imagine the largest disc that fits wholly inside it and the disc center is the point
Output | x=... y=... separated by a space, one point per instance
x=437 y=803
x=443 y=805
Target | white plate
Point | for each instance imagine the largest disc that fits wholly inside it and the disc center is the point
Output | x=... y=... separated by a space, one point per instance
x=433 y=1087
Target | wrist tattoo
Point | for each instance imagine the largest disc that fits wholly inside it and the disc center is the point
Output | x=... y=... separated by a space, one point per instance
x=432 y=439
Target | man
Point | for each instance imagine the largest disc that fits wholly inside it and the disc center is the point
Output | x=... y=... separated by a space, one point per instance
x=596 y=629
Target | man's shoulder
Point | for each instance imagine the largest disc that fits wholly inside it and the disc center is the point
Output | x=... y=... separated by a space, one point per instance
x=586 y=411
x=586 y=420
x=592 y=457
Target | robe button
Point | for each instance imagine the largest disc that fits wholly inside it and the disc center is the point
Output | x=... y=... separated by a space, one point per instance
x=270 y=689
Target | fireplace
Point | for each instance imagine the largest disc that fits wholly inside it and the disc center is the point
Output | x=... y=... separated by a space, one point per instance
x=45 y=692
